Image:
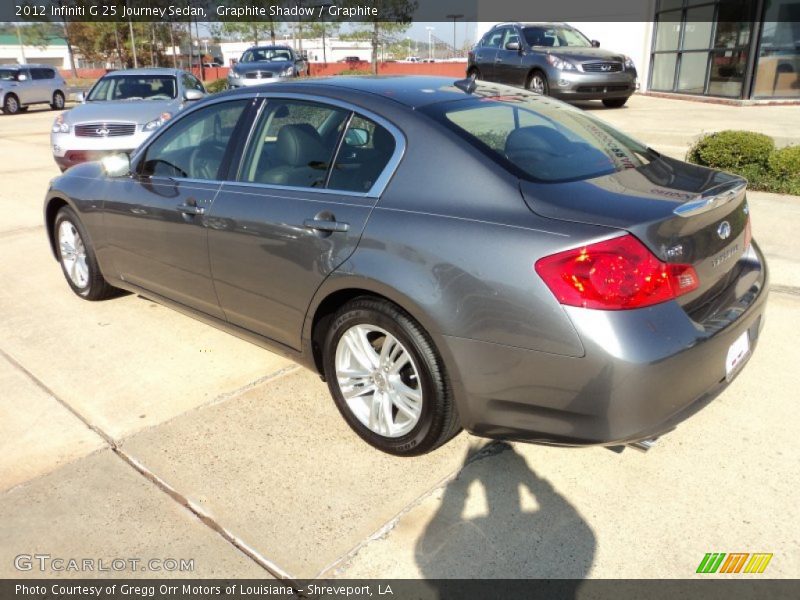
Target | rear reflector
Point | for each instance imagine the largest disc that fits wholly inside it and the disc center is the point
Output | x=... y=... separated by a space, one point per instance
x=617 y=274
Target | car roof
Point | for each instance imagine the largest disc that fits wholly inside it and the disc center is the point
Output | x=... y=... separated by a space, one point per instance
x=35 y=65
x=145 y=71
x=268 y=46
x=410 y=90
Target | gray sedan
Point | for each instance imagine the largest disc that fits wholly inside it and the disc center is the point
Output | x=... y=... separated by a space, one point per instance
x=445 y=254
x=120 y=112
x=266 y=64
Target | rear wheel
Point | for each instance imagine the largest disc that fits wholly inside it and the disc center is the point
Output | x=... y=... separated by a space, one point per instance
x=77 y=258
x=615 y=102
x=387 y=379
x=58 y=101
x=11 y=105
x=537 y=83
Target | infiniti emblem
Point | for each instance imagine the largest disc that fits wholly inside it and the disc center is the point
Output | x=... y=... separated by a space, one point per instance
x=724 y=230
x=102 y=131
x=605 y=67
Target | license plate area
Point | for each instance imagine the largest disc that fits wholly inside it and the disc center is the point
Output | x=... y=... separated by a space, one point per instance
x=738 y=353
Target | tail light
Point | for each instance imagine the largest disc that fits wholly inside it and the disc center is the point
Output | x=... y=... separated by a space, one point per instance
x=616 y=274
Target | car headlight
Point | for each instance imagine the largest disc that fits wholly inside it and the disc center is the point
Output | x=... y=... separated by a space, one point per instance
x=560 y=63
x=629 y=63
x=156 y=123
x=287 y=72
x=59 y=126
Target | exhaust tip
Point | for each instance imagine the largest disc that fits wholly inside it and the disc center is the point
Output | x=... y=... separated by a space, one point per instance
x=643 y=445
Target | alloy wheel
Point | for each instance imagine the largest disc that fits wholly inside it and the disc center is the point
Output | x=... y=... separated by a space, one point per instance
x=537 y=84
x=379 y=380
x=12 y=106
x=73 y=254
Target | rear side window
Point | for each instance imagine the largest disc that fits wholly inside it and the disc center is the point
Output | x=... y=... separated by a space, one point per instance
x=364 y=154
x=42 y=74
x=538 y=138
x=494 y=38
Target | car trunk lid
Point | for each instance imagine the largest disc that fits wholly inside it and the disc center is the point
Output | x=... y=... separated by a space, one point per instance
x=683 y=213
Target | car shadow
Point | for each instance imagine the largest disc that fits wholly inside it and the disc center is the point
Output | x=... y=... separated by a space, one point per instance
x=524 y=529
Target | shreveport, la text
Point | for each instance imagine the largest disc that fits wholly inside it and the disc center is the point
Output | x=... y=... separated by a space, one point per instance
x=187 y=589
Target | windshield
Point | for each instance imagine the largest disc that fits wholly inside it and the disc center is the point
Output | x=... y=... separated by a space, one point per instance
x=267 y=54
x=8 y=74
x=134 y=87
x=557 y=36
x=538 y=138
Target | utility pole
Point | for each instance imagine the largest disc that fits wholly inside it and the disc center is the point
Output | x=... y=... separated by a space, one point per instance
x=21 y=45
x=455 y=18
x=430 y=42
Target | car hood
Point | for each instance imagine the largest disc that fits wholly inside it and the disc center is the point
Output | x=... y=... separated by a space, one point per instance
x=583 y=54
x=265 y=65
x=136 y=111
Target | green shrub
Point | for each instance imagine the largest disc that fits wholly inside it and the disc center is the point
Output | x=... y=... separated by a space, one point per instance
x=785 y=162
x=216 y=86
x=731 y=150
x=355 y=72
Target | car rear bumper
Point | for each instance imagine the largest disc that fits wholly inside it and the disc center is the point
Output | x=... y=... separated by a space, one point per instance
x=573 y=85
x=643 y=372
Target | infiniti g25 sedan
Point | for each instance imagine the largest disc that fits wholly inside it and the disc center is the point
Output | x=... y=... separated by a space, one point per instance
x=445 y=254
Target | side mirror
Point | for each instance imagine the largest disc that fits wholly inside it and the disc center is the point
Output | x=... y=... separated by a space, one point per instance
x=513 y=46
x=116 y=165
x=192 y=95
x=356 y=137
x=80 y=97
x=595 y=44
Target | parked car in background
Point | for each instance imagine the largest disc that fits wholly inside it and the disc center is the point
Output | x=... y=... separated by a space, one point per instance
x=121 y=110
x=553 y=59
x=266 y=64
x=352 y=60
x=24 y=85
x=569 y=286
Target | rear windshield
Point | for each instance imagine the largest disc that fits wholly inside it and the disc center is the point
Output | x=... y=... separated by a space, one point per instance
x=539 y=138
x=134 y=87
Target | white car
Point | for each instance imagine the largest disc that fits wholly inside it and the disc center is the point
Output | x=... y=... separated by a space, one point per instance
x=23 y=85
x=121 y=111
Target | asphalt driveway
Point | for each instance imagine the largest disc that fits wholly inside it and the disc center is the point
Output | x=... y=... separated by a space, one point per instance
x=128 y=430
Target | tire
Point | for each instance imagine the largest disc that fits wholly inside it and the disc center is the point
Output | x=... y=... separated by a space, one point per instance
x=11 y=104
x=475 y=73
x=537 y=83
x=58 y=101
x=83 y=273
x=615 y=102
x=421 y=425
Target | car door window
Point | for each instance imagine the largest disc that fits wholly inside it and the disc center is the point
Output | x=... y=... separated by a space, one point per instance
x=190 y=82
x=294 y=143
x=363 y=156
x=511 y=36
x=195 y=146
x=494 y=38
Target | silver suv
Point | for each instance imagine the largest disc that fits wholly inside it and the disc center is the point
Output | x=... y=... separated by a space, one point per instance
x=23 y=85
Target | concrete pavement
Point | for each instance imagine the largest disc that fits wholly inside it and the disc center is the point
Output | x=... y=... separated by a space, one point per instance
x=129 y=430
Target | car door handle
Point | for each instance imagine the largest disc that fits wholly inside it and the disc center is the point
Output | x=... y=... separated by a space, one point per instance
x=327 y=225
x=191 y=209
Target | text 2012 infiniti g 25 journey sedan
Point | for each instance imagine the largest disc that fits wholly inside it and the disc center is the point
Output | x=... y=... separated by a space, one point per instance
x=446 y=254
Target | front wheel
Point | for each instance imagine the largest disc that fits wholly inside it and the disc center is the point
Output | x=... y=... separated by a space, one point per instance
x=387 y=379
x=77 y=258
x=11 y=105
x=615 y=102
x=58 y=101
x=537 y=83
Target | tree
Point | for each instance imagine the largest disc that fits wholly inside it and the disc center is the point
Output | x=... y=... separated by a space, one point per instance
x=380 y=31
